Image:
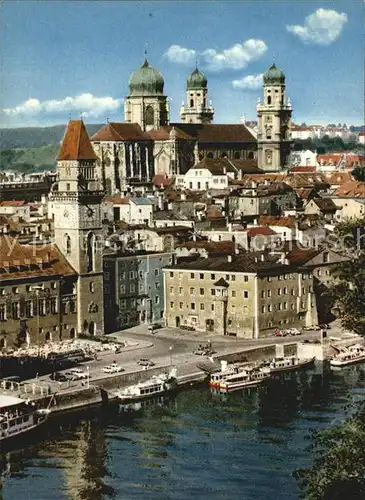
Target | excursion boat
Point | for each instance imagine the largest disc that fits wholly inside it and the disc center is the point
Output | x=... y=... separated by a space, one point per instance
x=289 y=363
x=18 y=417
x=348 y=356
x=158 y=384
x=245 y=378
x=226 y=371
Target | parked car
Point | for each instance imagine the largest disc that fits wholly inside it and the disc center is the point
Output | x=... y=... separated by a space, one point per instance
x=77 y=374
x=154 y=326
x=58 y=377
x=294 y=331
x=113 y=368
x=280 y=333
x=145 y=362
x=187 y=327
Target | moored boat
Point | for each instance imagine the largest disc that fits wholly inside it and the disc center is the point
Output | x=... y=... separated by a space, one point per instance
x=245 y=378
x=158 y=384
x=349 y=356
x=289 y=363
x=227 y=370
x=18 y=417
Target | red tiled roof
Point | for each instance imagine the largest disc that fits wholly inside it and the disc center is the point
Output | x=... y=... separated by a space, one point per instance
x=18 y=261
x=227 y=247
x=12 y=203
x=351 y=189
x=116 y=199
x=270 y=220
x=115 y=131
x=260 y=231
x=76 y=144
x=163 y=180
x=301 y=169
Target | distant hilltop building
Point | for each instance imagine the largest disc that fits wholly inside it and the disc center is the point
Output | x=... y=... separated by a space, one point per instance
x=148 y=144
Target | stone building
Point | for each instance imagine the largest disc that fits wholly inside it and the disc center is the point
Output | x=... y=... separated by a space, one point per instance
x=274 y=117
x=76 y=199
x=37 y=294
x=133 y=289
x=245 y=295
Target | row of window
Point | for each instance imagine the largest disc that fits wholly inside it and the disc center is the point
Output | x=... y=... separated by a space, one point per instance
x=140 y=274
x=30 y=308
x=136 y=302
x=28 y=288
x=284 y=291
x=201 y=276
x=213 y=291
x=133 y=288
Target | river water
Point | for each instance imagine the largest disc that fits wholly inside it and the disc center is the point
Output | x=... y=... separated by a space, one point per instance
x=196 y=445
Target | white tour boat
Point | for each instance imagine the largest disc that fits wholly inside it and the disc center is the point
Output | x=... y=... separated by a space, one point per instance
x=288 y=363
x=226 y=371
x=18 y=417
x=158 y=384
x=349 y=355
x=245 y=378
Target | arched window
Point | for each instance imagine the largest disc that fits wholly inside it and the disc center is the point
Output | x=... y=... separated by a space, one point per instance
x=224 y=154
x=67 y=244
x=191 y=103
x=72 y=333
x=2 y=343
x=236 y=155
x=210 y=155
x=48 y=337
x=90 y=251
x=149 y=116
x=91 y=287
x=269 y=99
x=250 y=155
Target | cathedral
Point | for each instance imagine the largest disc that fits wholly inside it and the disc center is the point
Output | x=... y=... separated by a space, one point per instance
x=146 y=143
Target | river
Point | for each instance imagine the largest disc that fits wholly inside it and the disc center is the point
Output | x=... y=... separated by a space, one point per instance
x=196 y=445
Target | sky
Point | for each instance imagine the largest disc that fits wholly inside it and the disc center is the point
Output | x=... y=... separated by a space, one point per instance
x=71 y=59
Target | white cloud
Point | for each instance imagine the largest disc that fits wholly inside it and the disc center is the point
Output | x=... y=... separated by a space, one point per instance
x=236 y=57
x=249 y=82
x=322 y=27
x=87 y=104
x=181 y=55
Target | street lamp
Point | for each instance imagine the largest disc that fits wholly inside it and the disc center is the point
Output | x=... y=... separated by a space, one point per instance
x=170 y=349
x=37 y=288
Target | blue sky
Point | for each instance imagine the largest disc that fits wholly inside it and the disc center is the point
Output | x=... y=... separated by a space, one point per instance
x=61 y=58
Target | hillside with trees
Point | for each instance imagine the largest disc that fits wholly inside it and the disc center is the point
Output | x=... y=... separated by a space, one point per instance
x=33 y=149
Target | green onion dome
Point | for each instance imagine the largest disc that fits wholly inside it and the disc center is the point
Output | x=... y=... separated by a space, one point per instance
x=146 y=81
x=196 y=80
x=274 y=76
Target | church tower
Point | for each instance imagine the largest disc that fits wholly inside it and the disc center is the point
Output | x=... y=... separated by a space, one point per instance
x=197 y=109
x=274 y=115
x=146 y=103
x=77 y=222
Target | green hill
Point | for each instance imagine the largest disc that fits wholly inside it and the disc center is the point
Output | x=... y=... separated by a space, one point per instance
x=36 y=137
x=33 y=149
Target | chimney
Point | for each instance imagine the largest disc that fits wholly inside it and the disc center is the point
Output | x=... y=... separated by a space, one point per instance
x=160 y=202
x=183 y=197
x=236 y=249
x=229 y=258
x=262 y=257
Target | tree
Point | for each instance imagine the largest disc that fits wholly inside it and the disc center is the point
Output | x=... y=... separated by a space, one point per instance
x=348 y=290
x=338 y=471
x=359 y=173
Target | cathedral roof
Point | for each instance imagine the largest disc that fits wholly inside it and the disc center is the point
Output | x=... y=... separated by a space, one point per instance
x=76 y=144
x=196 y=80
x=121 y=132
x=216 y=133
x=163 y=133
x=274 y=76
x=146 y=81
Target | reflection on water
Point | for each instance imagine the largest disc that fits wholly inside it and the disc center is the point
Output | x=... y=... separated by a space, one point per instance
x=197 y=444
